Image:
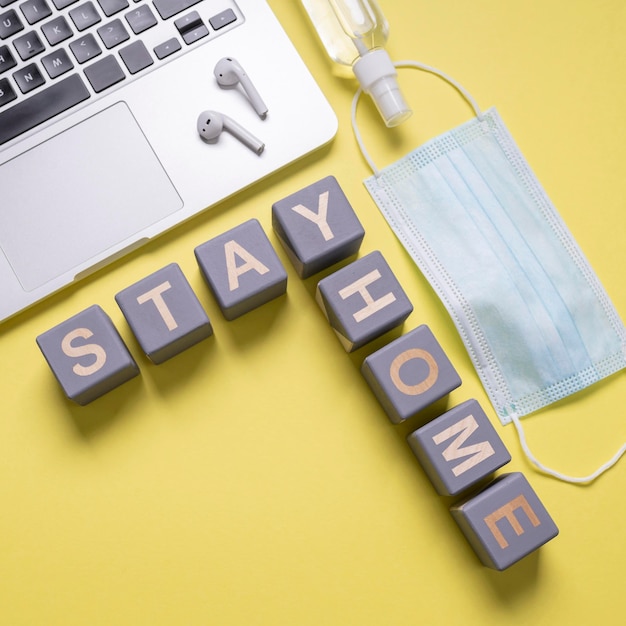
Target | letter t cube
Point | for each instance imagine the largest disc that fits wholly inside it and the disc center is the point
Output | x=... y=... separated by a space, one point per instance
x=164 y=313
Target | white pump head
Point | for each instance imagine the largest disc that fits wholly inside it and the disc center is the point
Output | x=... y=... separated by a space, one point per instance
x=377 y=76
x=229 y=73
x=211 y=124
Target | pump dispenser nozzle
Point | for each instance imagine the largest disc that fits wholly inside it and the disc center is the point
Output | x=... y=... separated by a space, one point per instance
x=354 y=33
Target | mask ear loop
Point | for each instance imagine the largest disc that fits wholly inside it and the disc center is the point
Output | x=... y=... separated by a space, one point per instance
x=411 y=65
x=550 y=472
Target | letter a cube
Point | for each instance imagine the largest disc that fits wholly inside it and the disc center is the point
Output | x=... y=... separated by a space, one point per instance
x=362 y=301
x=87 y=355
x=409 y=374
x=505 y=522
x=459 y=448
x=242 y=269
x=164 y=313
x=317 y=226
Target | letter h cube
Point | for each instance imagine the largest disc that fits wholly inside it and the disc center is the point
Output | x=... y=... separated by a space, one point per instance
x=362 y=301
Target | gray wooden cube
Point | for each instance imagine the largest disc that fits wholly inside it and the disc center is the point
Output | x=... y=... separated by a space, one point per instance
x=242 y=269
x=363 y=300
x=505 y=522
x=410 y=373
x=317 y=226
x=87 y=355
x=459 y=448
x=164 y=313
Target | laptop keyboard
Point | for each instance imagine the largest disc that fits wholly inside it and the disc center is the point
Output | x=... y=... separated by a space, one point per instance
x=56 y=54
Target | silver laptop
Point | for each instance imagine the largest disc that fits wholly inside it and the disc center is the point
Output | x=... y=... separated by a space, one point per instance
x=99 y=145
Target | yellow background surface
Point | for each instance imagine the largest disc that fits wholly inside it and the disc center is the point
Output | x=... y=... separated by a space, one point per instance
x=254 y=479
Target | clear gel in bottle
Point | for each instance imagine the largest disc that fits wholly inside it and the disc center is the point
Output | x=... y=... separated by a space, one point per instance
x=354 y=33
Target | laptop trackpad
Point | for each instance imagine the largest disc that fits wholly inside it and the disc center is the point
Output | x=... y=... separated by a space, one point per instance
x=80 y=194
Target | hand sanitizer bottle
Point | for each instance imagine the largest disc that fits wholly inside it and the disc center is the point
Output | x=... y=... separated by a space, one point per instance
x=354 y=33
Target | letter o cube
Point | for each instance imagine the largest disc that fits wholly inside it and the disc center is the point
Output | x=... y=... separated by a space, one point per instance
x=87 y=355
x=317 y=226
x=505 y=522
x=242 y=269
x=363 y=300
x=409 y=374
x=459 y=448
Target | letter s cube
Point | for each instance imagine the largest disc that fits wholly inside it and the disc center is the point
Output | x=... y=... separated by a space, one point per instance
x=87 y=355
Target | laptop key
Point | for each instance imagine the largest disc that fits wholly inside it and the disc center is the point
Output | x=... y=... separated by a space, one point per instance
x=63 y=4
x=136 y=57
x=141 y=19
x=7 y=60
x=104 y=73
x=168 y=8
x=57 y=63
x=57 y=30
x=223 y=19
x=85 y=48
x=28 y=78
x=28 y=45
x=111 y=7
x=42 y=106
x=35 y=10
x=166 y=48
x=85 y=16
x=10 y=24
x=7 y=93
x=113 y=34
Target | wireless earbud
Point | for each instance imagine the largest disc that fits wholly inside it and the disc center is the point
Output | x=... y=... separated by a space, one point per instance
x=229 y=73
x=211 y=124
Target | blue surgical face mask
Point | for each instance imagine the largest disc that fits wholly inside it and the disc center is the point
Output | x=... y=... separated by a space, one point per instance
x=535 y=319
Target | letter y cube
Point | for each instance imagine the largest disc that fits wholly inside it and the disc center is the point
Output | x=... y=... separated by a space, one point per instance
x=317 y=226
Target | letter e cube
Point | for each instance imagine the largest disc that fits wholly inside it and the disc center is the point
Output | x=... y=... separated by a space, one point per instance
x=409 y=374
x=87 y=355
x=317 y=226
x=459 y=448
x=505 y=522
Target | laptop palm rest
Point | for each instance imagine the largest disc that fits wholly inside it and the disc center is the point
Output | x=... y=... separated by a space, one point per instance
x=112 y=187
